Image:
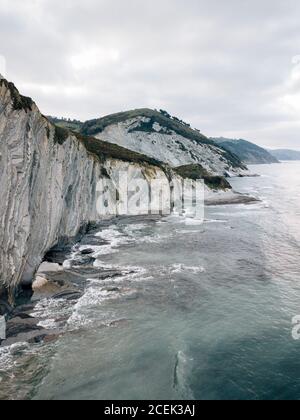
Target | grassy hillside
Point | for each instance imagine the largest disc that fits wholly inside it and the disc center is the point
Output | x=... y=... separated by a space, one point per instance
x=247 y=152
x=68 y=124
x=196 y=172
x=285 y=154
x=97 y=126
x=169 y=124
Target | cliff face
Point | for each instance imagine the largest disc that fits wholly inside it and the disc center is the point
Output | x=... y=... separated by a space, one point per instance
x=171 y=141
x=48 y=184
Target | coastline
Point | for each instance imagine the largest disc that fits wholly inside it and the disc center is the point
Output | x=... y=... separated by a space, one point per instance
x=55 y=281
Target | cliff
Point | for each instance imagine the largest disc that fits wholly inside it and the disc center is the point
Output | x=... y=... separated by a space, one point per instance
x=48 y=184
x=165 y=138
x=49 y=175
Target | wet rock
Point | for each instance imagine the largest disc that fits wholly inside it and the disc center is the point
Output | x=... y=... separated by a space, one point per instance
x=5 y=308
x=84 y=261
x=49 y=338
x=112 y=289
x=33 y=337
x=26 y=309
x=232 y=198
x=23 y=315
x=43 y=288
x=108 y=275
x=18 y=325
x=58 y=255
x=88 y=251
x=68 y=295
x=64 y=278
x=91 y=240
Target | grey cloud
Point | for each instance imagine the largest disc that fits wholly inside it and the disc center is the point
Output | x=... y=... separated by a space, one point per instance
x=226 y=67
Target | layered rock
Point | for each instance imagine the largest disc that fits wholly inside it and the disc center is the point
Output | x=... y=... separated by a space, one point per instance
x=166 y=138
x=48 y=184
x=49 y=175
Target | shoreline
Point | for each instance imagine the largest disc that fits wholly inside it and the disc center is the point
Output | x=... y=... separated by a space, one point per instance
x=53 y=281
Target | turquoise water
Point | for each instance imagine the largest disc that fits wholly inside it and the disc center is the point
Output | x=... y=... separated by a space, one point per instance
x=202 y=311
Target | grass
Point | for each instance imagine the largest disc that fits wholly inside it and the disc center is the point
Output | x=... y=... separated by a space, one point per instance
x=85 y=132
x=97 y=126
x=104 y=150
x=196 y=172
x=67 y=124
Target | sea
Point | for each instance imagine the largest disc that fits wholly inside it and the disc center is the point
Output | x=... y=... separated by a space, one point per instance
x=193 y=311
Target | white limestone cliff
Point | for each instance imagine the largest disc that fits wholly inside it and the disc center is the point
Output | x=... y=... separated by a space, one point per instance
x=49 y=178
x=47 y=189
x=169 y=146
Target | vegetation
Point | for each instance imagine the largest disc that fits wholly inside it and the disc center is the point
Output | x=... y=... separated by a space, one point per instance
x=61 y=135
x=105 y=150
x=163 y=118
x=74 y=125
x=247 y=152
x=232 y=158
x=147 y=127
x=197 y=172
x=19 y=102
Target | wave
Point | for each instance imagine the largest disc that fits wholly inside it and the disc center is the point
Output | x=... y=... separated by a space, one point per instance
x=182 y=372
x=180 y=268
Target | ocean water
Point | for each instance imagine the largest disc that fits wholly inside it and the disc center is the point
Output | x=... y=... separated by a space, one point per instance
x=201 y=311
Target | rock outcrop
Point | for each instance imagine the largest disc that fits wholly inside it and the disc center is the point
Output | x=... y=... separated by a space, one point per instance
x=48 y=184
x=166 y=138
x=49 y=176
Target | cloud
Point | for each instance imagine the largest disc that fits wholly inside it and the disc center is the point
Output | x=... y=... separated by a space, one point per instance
x=229 y=68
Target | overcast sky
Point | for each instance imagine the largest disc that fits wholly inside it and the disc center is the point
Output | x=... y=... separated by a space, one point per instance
x=230 y=68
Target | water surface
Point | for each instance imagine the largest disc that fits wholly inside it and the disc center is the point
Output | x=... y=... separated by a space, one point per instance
x=202 y=311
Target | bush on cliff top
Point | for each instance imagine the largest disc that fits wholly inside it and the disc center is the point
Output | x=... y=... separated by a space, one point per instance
x=19 y=101
x=196 y=172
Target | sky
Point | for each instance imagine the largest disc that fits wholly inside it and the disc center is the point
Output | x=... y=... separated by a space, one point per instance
x=230 y=68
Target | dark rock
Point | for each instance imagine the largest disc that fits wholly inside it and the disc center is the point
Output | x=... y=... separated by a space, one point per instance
x=84 y=261
x=22 y=315
x=23 y=309
x=56 y=257
x=91 y=240
x=49 y=338
x=64 y=278
x=87 y=251
x=68 y=295
x=17 y=326
x=33 y=337
x=5 y=308
x=112 y=289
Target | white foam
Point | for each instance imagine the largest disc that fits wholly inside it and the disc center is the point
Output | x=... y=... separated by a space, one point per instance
x=115 y=238
x=192 y=221
x=183 y=370
x=180 y=268
x=83 y=314
x=7 y=354
x=215 y=221
x=49 y=311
